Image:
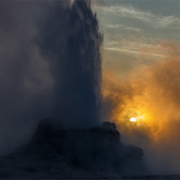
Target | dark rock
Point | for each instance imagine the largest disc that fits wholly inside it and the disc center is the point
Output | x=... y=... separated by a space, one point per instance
x=108 y=125
x=88 y=149
x=95 y=149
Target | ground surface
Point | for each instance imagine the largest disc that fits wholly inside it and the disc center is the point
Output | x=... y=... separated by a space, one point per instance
x=90 y=153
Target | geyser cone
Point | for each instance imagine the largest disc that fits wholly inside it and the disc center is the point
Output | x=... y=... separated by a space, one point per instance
x=73 y=49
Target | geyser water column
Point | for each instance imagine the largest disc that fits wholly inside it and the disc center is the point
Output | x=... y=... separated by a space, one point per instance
x=70 y=40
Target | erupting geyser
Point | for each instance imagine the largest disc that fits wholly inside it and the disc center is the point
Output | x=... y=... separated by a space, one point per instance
x=72 y=47
x=69 y=42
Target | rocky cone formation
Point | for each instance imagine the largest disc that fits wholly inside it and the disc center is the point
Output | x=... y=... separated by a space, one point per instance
x=56 y=152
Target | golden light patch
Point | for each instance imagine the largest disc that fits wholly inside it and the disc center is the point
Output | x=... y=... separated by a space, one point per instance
x=145 y=105
x=133 y=119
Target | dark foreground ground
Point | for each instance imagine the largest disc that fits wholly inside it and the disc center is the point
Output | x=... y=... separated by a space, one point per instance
x=147 y=177
x=89 y=153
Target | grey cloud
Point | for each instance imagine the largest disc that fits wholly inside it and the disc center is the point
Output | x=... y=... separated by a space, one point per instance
x=156 y=21
x=122 y=27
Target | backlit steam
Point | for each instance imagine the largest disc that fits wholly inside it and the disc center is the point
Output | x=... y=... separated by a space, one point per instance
x=151 y=94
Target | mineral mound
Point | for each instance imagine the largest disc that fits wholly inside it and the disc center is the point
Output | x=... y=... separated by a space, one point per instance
x=57 y=152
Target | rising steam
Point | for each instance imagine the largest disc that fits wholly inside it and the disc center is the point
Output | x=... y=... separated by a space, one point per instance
x=151 y=94
x=72 y=47
x=50 y=67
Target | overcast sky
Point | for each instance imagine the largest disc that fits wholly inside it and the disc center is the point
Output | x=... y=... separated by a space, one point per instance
x=130 y=26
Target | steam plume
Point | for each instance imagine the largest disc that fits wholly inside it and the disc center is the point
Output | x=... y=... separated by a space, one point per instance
x=50 y=67
x=72 y=47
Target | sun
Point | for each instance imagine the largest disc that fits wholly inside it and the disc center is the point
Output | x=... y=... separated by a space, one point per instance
x=133 y=119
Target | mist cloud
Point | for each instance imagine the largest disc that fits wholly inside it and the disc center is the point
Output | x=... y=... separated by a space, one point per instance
x=151 y=93
x=24 y=79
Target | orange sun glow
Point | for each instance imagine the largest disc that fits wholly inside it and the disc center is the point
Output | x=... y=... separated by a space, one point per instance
x=133 y=119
